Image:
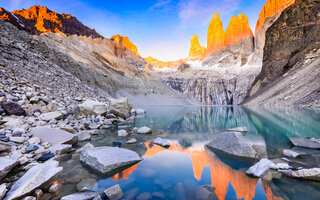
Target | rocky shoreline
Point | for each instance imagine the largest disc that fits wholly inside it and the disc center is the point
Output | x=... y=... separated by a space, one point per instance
x=38 y=128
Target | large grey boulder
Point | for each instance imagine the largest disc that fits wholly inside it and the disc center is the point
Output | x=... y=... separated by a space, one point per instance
x=92 y=107
x=120 y=107
x=306 y=143
x=235 y=144
x=107 y=159
x=261 y=168
x=309 y=174
x=81 y=196
x=54 y=136
x=34 y=178
x=6 y=164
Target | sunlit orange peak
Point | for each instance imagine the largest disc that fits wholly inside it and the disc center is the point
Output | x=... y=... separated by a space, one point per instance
x=216 y=37
x=196 y=50
x=124 y=41
x=238 y=29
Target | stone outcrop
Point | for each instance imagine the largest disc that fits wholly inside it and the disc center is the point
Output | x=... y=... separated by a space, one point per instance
x=291 y=59
x=235 y=144
x=124 y=41
x=54 y=136
x=216 y=37
x=197 y=52
x=39 y=19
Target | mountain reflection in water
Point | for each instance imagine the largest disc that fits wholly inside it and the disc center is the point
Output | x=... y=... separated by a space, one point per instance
x=221 y=174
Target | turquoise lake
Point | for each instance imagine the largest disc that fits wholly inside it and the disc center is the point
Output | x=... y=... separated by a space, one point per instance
x=181 y=171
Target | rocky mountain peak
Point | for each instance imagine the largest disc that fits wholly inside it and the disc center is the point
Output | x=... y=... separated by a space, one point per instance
x=216 y=36
x=271 y=8
x=125 y=42
x=196 y=50
x=39 y=19
x=238 y=29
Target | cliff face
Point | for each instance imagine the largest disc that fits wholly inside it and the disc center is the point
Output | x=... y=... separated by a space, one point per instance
x=268 y=15
x=125 y=42
x=216 y=37
x=38 y=19
x=197 y=52
x=290 y=74
x=271 y=8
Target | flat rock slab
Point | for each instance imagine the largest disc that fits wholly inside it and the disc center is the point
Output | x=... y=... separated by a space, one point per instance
x=305 y=143
x=238 y=129
x=309 y=174
x=33 y=179
x=107 y=159
x=6 y=164
x=54 y=136
x=235 y=144
x=81 y=196
x=51 y=115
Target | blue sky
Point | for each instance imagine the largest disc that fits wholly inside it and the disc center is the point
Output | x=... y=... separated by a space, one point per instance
x=160 y=28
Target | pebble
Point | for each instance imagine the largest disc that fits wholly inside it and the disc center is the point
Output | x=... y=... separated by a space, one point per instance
x=45 y=156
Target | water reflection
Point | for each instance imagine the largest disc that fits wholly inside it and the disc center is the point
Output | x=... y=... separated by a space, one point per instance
x=180 y=170
x=222 y=176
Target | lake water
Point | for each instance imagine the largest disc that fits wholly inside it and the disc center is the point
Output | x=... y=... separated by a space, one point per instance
x=181 y=171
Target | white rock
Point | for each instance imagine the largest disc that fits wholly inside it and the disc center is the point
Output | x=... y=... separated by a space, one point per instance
x=138 y=111
x=3 y=190
x=18 y=131
x=122 y=133
x=23 y=160
x=34 y=178
x=19 y=140
x=107 y=159
x=238 y=129
x=120 y=107
x=92 y=107
x=54 y=188
x=6 y=164
x=85 y=147
x=34 y=141
x=60 y=149
x=114 y=192
x=84 y=136
x=290 y=153
x=132 y=141
x=161 y=142
x=261 y=168
x=81 y=196
x=144 y=130
x=51 y=116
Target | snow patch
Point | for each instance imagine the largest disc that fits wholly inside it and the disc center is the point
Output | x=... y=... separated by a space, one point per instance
x=18 y=20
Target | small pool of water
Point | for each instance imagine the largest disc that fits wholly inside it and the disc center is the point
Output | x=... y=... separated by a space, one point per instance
x=181 y=171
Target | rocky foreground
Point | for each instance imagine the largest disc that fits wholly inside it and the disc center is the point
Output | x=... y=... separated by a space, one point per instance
x=38 y=126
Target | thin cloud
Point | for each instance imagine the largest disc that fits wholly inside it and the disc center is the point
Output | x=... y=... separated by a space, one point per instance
x=197 y=13
x=160 y=4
